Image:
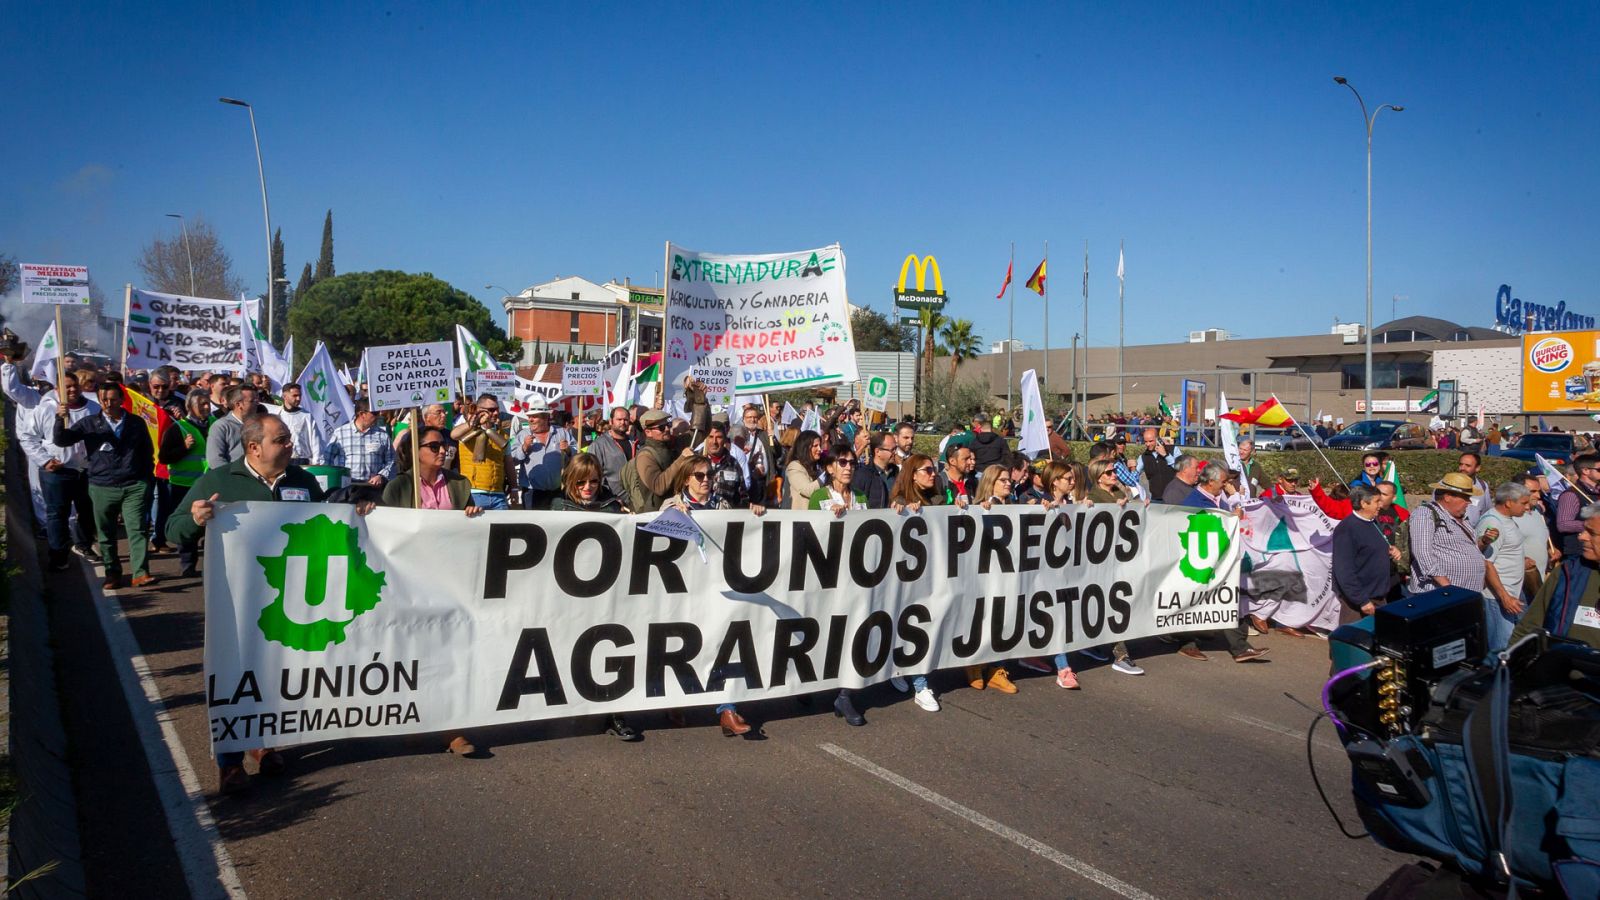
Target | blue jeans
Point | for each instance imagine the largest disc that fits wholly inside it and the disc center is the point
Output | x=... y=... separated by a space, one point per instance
x=1497 y=624
x=489 y=500
x=66 y=490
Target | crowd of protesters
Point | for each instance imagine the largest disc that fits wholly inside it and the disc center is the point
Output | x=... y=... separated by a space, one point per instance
x=232 y=439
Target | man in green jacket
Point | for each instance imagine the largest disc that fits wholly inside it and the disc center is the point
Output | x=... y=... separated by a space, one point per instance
x=1568 y=603
x=262 y=473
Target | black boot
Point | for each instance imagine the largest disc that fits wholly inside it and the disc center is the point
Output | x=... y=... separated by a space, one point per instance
x=618 y=726
x=844 y=709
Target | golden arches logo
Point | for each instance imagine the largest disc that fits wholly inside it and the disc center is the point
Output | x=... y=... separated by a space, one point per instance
x=922 y=266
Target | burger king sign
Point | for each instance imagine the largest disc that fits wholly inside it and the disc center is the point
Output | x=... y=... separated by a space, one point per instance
x=1550 y=355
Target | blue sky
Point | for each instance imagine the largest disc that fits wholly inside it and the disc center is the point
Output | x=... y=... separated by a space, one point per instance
x=509 y=146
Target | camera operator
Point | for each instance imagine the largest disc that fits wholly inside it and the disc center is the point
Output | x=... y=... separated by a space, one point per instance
x=1568 y=603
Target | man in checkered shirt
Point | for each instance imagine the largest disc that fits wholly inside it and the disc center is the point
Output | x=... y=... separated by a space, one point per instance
x=363 y=448
x=1444 y=550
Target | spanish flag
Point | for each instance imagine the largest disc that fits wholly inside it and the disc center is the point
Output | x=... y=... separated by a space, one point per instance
x=1036 y=281
x=1270 y=413
x=154 y=417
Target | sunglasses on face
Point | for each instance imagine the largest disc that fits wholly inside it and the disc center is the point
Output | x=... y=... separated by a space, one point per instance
x=591 y=482
x=844 y=462
x=435 y=446
x=489 y=409
x=700 y=476
x=1371 y=465
x=928 y=470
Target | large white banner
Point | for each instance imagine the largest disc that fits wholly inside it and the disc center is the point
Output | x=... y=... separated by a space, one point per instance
x=321 y=624
x=1290 y=543
x=187 y=333
x=781 y=320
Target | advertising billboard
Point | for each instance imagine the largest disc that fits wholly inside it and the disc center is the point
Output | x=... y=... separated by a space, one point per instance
x=1561 y=372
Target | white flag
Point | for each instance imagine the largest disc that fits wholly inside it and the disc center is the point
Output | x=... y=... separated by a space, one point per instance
x=1228 y=429
x=789 y=414
x=811 y=422
x=44 y=358
x=1035 y=437
x=617 y=371
x=474 y=356
x=1119 y=264
x=1480 y=416
x=1558 y=482
x=325 y=399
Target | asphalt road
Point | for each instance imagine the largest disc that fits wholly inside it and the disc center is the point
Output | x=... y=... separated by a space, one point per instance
x=1189 y=782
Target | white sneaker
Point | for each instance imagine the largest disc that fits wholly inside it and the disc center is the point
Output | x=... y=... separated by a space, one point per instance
x=900 y=684
x=1127 y=667
x=926 y=700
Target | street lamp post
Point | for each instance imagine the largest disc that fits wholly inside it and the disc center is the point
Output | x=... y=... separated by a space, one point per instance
x=266 y=213
x=1368 y=120
x=186 y=250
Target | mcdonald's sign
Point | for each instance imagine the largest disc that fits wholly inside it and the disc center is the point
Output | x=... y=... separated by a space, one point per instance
x=920 y=297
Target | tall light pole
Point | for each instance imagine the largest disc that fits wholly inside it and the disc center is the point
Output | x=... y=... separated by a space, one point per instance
x=1368 y=120
x=186 y=251
x=266 y=213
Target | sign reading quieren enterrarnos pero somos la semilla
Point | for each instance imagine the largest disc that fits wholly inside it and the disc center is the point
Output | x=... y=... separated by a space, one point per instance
x=66 y=285
x=406 y=375
x=780 y=320
x=186 y=333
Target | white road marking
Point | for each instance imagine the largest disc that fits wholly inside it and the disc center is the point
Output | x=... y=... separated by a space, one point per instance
x=1069 y=863
x=207 y=867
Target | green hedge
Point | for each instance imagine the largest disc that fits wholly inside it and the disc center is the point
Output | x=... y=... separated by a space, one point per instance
x=1418 y=468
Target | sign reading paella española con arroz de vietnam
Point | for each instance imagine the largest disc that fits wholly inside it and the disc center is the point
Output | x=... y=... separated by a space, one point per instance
x=779 y=320
x=321 y=624
x=1561 y=372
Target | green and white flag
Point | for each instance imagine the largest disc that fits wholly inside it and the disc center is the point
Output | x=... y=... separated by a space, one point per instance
x=474 y=356
x=1035 y=436
x=44 y=358
x=323 y=396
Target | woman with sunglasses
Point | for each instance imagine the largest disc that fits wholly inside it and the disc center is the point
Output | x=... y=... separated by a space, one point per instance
x=1103 y=484
x=441 y=489
x=837 y=497
x=583 y=488
x=916 y=486
x=994 y=486
x=691 y=492
x=1371 y=470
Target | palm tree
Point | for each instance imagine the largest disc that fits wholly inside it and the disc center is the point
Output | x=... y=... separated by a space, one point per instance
x=959 y=342
x=932 y=322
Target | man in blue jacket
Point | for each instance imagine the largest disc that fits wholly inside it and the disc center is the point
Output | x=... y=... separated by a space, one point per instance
x=121 y=478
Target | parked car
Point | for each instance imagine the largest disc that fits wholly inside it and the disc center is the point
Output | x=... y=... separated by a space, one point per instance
x=1285 y=439
x=1381 y=434
x=1556 y=447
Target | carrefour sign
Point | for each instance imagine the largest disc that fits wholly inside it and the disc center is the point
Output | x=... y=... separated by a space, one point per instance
x=1516 y=316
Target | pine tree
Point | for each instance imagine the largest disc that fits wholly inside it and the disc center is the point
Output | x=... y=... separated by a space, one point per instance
x=325 y=261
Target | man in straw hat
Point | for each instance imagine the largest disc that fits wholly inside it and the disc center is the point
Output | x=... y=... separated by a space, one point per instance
x=1444 y=551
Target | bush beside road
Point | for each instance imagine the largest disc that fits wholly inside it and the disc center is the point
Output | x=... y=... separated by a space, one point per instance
x=1418 y=468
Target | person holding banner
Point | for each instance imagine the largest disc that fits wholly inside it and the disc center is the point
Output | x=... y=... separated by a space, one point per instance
x=691 y=492
x=121 y=478
x=583 y=489
x=756 y=445
x=63 y=471
x=839 y=497
x=916 y=487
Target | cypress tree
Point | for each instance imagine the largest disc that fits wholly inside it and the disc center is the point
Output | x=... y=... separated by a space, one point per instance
x=305 y=281
x=277 y=290
x=325 y=261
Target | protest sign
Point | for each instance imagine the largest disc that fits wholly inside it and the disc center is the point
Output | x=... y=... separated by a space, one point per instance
x=877 y=397
x=408 y=375
x=321 y=624
x=56 y=285
x=780 y=320
x=501 y=383
x=184 y=332
x=583 y=381
x=1289 y=540
x=675 y=523
x=719 y=382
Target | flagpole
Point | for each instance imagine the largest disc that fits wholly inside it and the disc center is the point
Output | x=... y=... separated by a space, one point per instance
x=1086 y=330
x=1122 y=405
x=127 y=309
x=1011 y=326
x=1046 y=296
x=1308 y=438
x=60 y=356
x=666 y=321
